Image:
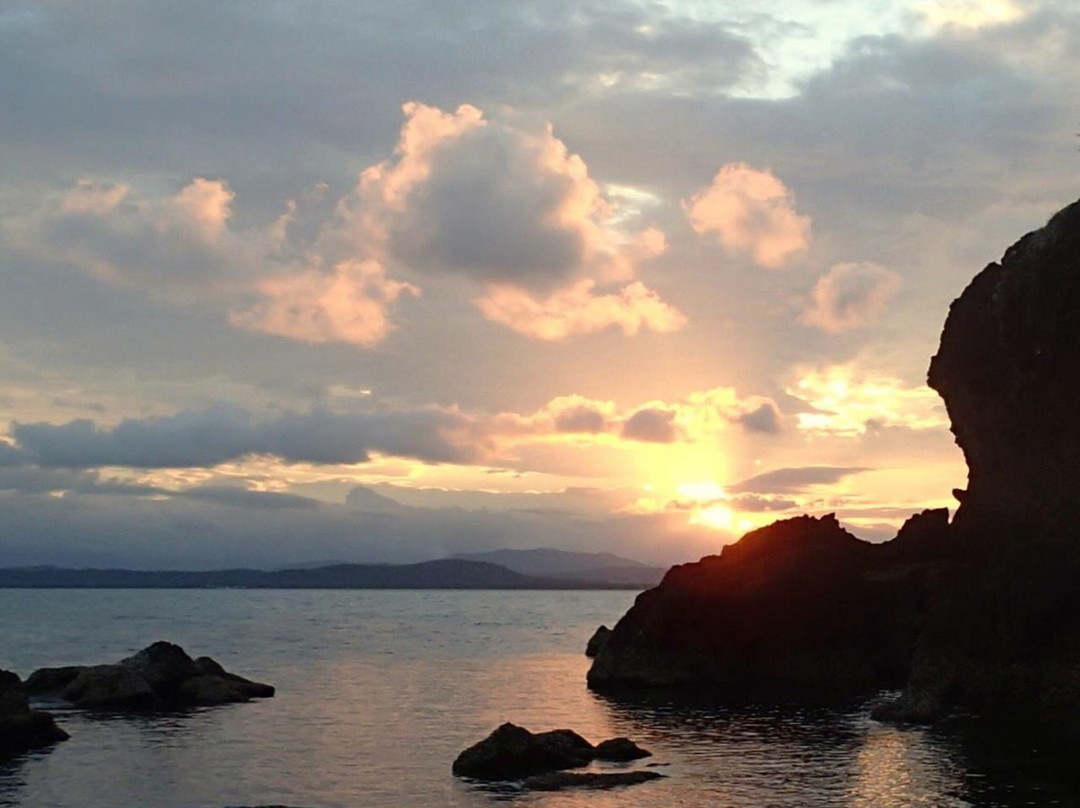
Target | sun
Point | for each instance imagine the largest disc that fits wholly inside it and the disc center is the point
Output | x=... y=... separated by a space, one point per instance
x=715 y=515
x=707 y=500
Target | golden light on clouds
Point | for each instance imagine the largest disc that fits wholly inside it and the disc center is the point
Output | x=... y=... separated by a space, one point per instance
x=968 y=14
x=848 y=401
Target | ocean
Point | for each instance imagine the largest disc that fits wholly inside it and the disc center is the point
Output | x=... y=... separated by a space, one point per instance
x=379 y=690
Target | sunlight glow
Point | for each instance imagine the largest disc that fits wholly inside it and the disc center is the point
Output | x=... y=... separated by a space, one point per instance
x=715 y=515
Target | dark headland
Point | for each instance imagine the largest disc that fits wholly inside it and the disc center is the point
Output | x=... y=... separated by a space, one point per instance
x=448 y=573
x=980 y=614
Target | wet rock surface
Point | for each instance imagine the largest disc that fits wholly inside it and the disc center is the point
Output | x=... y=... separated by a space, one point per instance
x=161 y=676
x=23 y=729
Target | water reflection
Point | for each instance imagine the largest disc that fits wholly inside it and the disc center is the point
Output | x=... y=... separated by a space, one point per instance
x=379 y=691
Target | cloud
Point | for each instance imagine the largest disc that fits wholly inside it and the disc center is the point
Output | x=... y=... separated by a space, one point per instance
x=751 y=212
x=223 y=528
x=206 y=438
x=850 y=296
x=851 y=400
x=968 y=14
x=652 y=425
x=349 y=304
x=281 y=279
x=35 y=480
x=173 y=246
x=510 y=208
x=753 y=503
x=765 y=418
x=793 y=480
x=577 y=309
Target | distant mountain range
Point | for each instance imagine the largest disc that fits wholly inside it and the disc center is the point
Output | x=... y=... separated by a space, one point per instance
x=573 y=566
x=449 y=573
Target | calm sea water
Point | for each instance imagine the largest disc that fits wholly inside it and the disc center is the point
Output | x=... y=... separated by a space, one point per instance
x=378 y=691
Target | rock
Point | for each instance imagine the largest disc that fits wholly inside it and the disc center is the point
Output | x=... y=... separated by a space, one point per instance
x=923 y=537
x=557 y=781
x=209 y=690
x=620 y=750
x=50 y=680
x=110 y=687
x=161 y=676
x=1008 y=369
x=597 y=641
x=163 y=665
x=801 y=608
x=512 y=752
x=23 y=729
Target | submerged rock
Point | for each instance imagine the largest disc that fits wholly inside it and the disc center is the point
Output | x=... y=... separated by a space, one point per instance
x=512 y=753
x=23 y=729
x=557 y=781
x=160 y=676
x=597 y=641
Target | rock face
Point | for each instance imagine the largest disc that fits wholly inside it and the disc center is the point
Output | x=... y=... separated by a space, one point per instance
x=756 y=619
x=513 y=753
x=161 y=676
x=1008 y=369
x=23 y=729
x=982 y=614
x=597 y=641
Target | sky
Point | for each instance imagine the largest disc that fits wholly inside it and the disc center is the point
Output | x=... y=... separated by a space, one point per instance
x=283 y=282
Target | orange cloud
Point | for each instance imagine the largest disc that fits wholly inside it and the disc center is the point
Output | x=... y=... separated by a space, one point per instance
x=578 y=309
x=347 y=305
x=849 y=296
x=752 y=212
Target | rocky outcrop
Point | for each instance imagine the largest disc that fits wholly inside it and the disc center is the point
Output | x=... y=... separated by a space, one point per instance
x=23 y=729
x=513 y=753
x=801 y=607
x=1008 y=369
x=161 y=676
x=982 y=614
x=597 y=641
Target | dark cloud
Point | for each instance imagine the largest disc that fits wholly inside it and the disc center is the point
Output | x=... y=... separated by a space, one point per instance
x=752 y=503
x=793 y=480
x=765 y=418
x=490 y=209
x=257 y=530
x=578 y=419
x=206 y=438
x=652 y=425
x=849 y=296
x=35 y=480
x=245 y=498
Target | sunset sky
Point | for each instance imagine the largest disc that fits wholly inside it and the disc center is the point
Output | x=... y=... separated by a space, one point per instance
x=284 y=281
